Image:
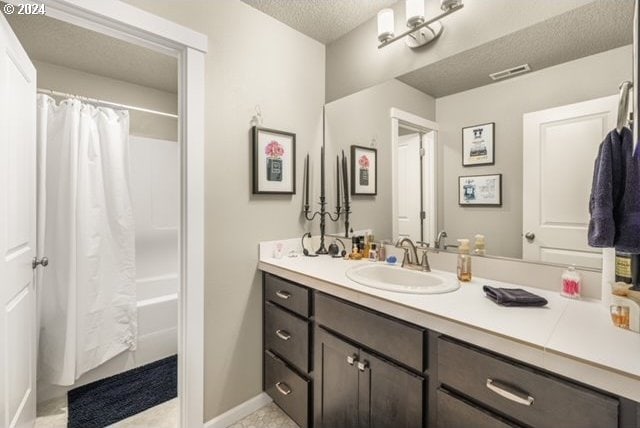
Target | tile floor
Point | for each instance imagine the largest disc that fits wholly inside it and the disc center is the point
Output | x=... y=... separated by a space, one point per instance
x=53 y=414
x=270 y=416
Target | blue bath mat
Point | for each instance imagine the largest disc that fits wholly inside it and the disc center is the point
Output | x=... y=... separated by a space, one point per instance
x=118 y=397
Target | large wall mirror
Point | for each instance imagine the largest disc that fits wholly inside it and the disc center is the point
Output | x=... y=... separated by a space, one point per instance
x=510 y=159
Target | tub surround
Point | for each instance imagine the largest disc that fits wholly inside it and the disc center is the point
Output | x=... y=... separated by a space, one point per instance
x=574 y=338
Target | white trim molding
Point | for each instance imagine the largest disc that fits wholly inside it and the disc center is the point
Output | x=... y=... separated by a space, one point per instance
x=239 y=412
x=117 y=19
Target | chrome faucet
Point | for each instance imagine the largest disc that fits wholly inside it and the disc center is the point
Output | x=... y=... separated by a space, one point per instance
x=424 y=262
x=440 y=240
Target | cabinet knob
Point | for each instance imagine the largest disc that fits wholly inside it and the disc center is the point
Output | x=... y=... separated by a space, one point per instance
x=352 y=359
x=362 y=366
x=283 y=334
x=530 y=236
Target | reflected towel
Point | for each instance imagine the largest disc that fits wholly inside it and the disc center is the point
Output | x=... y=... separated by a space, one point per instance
x=513 y=297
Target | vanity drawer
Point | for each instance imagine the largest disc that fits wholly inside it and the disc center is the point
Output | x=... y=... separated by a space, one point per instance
x=453 y=412
x=526 y=395
x=287 y=294
x=287 y=335
x=289 y=390
x=396 y=339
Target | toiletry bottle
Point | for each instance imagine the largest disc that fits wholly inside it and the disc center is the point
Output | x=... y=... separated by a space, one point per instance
x=382 y=252
x=623 y=267
x=464 y=261
x=373 y=252
x=571 y=283
x=479 y=247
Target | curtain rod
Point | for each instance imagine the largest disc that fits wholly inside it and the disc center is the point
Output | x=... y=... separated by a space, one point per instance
x=105 y=103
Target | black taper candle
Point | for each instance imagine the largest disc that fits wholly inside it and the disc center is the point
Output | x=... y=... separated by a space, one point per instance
x=306 y=184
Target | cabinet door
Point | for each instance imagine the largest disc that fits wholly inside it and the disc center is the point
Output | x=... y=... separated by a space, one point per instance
x=390 y=397
x=336 y=382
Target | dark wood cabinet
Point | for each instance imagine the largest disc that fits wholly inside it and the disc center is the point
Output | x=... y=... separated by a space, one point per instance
x=396 y=397
x=358 y=389
x=286 y=340
x=329 y=363
x=337 y=382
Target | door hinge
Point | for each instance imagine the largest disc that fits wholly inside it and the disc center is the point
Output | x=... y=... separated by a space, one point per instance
x=422 y=152
x=423 y=215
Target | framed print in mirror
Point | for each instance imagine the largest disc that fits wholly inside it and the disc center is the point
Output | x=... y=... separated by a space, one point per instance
x=364 y=170
x=478 y=144
x=480 y=190
x=274 y=161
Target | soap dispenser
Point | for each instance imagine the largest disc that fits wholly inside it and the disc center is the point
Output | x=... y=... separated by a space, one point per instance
x=464 y=261
x=480 y=246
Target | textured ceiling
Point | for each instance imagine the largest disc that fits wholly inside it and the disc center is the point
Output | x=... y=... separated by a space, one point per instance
x=322 y=20
x=587 y=30
x=50 y=40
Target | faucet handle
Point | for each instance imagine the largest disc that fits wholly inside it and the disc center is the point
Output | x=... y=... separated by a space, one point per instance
x=423 y=244
x=405 y=256
x=424 y=263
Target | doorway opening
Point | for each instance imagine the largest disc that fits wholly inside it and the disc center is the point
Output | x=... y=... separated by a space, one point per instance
x=108 y=224
x=414 y=151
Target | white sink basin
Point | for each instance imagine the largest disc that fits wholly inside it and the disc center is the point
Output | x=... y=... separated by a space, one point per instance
x=395 y=278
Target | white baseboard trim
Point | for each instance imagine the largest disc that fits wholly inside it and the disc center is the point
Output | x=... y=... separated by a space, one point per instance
x=240 y=411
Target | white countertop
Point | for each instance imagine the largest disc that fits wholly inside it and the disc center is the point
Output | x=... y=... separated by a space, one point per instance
x=575 y=338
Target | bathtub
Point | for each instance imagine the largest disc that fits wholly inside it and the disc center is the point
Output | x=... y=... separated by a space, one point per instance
x=157 y=304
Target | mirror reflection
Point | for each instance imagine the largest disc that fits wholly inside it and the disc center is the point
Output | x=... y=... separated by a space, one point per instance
x=497 y=143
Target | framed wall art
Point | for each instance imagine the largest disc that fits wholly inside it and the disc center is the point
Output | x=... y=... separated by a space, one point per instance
x=274 y=161
x=478 y=145
x=480 y=190
x=364 y=170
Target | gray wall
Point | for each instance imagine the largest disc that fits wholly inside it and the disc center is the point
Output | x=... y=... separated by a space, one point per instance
x=73 y=81
x=253 y=59
x=363 y=119
x=504 y=103
x=354 y=61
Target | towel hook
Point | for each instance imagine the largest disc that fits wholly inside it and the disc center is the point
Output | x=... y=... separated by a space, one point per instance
x=623 y=105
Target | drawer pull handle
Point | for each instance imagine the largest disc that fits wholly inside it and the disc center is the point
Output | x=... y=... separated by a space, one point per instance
x=352 y=359
x=509 y=393
x=283 y=334
x=283 y=388
x=362 y=366
x=283 y=294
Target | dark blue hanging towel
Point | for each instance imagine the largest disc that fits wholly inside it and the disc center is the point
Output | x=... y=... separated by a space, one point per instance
x=615 y=195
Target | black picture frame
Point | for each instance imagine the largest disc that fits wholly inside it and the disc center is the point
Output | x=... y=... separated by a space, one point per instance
x=278 y=169
x=463 y=190
x=490 y=145
x=357 y=187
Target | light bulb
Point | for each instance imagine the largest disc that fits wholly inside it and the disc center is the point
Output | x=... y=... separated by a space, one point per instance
x=414 y=10
x=447 y=5
x=385 y=25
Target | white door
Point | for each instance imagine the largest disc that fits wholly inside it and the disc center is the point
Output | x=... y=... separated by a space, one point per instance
x=560 y=148
x=17 y=232
x=409 y=197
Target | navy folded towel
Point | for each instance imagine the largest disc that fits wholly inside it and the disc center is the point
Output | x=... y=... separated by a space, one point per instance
x=513 y=297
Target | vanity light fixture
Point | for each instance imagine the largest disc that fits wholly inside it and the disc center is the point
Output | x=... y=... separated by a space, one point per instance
x=421 y=31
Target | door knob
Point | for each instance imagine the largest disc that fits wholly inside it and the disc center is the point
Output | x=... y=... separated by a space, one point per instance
x=530 y=236
x=44 y=262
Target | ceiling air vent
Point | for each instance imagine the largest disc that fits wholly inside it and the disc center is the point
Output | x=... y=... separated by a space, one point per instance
x=510 y=72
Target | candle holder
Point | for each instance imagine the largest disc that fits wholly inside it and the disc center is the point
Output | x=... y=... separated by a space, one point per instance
x=323 y=214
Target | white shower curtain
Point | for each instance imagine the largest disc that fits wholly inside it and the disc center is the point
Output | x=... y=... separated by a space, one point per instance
x=86 y=295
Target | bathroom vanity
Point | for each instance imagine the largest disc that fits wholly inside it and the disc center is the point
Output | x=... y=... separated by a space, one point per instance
x=337 y=354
